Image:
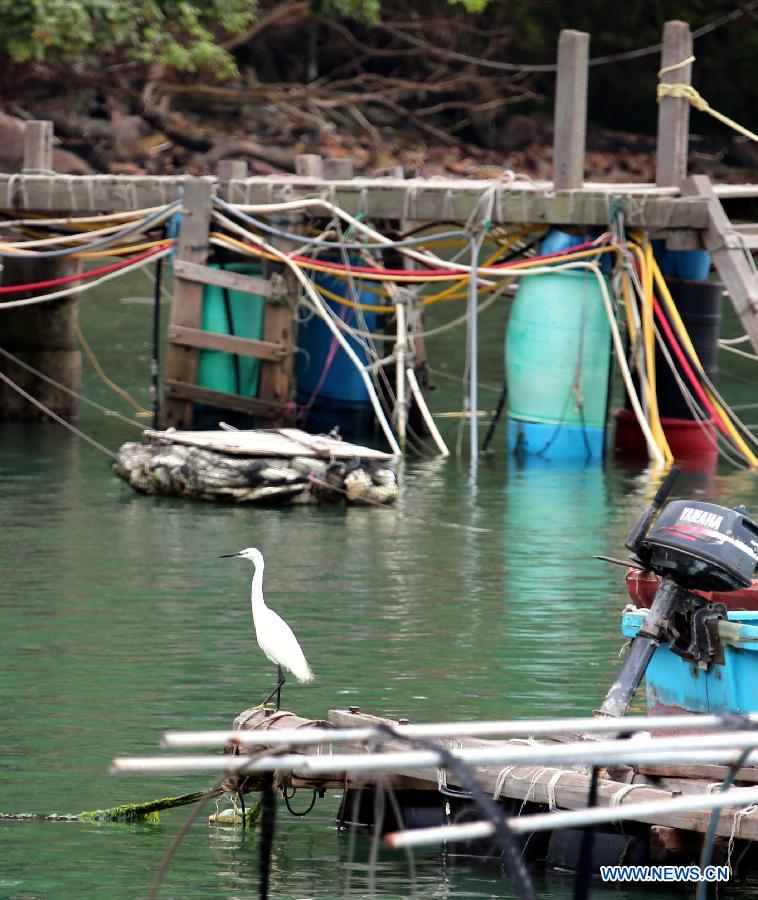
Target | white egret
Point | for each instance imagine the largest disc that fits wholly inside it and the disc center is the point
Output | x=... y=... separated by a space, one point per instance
x=274 y=635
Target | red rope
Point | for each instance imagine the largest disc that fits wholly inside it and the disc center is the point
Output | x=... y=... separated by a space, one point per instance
x=53 y=282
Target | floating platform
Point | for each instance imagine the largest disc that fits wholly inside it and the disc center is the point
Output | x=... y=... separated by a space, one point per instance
x=431 y=797
x=284 y=466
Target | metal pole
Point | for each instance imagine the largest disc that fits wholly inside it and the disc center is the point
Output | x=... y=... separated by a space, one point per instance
x=401 y=408
x=473 y=343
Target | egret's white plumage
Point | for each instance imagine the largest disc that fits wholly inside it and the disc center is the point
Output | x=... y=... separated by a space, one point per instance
x=274 y=635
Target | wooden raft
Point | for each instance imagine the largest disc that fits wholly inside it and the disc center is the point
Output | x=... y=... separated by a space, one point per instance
x=534 y=783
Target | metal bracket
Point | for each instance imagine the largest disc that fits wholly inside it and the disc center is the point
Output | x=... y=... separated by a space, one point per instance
x=698 y=639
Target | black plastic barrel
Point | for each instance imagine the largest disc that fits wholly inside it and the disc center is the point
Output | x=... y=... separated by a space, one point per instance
x=699 y=305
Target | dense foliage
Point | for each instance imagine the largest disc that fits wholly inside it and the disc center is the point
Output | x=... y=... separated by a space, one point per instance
x=183 y=35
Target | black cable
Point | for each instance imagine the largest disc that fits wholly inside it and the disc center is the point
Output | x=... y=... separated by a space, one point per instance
x=495 y=418
x=488 y=806
x=230 y=330
x=293 y=812
x=268 y=822
x=241 y=797
x=584 y=867
x=155 y=372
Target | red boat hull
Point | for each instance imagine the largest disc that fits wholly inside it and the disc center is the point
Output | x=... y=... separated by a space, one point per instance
x=643 y=585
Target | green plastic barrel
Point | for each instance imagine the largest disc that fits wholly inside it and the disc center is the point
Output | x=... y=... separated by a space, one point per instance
x=557 y=346
x=227 y=311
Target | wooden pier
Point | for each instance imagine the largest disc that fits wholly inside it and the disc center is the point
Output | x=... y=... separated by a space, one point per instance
x=689 y=213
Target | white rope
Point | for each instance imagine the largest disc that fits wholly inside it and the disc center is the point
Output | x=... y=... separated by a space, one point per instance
x=736 y=823
x=619 y=795
x=551 y=785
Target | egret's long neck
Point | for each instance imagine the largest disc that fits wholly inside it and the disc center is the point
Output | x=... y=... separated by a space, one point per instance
x=257 y=592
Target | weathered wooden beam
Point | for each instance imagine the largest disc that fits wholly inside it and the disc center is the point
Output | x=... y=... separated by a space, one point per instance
x=674 y=112
x=187 y=306
x=235 y=281
x=192 y=393
x=416 y=199
x=570 y=130
x=730 y=256
x=212 y=340
x=704 y=772
x=38 y=146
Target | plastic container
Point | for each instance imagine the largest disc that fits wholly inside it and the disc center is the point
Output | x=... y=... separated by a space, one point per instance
x=557 y=349
x=691 y=264
x=699 y=305
x=227 y=311
x=675 y=684
x=323 y=367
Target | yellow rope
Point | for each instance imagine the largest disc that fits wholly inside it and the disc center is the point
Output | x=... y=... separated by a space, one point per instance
x=696 y=99
x=140 y=410
x=648 y=336
x=676 y=319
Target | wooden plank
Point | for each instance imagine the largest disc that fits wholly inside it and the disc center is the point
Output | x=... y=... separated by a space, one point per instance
x=264 y=442
x=378 y=198
x=570 y=129
x=187 y=306
x=212 y=340
x=703 y=772
x=532 y=783
x=730 y=256
x=235 y=281
x=38 y=146
x=186 y=392
x=674 y=112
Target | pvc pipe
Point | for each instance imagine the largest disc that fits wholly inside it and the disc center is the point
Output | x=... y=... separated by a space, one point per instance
x=401 y=409
x=442 y=730
x=425 y=414
x=578 y=818
x=473 y=354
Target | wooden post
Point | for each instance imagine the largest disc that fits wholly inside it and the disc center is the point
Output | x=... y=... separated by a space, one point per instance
x=187 y=306
x=570 y=131
x=338 y=169
x=38 y=147
x=674 y=112
x=309 y=164
x=227 y=169
x=41 y=335
x=277 y=378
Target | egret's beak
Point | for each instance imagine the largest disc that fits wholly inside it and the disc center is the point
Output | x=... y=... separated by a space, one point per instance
x=227 y=555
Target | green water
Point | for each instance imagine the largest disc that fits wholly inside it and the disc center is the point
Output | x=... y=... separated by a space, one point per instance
x=119 y=623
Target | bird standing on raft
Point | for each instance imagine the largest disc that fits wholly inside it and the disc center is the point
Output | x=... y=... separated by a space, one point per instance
x=274 y=635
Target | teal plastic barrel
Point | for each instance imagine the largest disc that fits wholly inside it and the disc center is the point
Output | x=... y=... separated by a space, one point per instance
x=557 y=351
x=227 y=311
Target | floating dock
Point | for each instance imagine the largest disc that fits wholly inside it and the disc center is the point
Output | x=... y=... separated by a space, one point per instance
x=285 y=466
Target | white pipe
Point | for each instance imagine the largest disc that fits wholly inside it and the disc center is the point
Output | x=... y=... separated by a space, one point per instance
x=578 y=818
x=709 y=751
x=425 y=414
x=401 y=409
x=444 y=730
x=473 y=355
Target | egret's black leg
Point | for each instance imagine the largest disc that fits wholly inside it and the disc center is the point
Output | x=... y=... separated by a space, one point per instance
x=277 y=688
x=279 y=684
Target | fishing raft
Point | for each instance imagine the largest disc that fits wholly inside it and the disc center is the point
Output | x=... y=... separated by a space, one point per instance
x=282 y=466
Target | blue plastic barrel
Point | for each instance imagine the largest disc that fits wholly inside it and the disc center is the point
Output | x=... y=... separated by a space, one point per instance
x=322 y=367
x=557 y=353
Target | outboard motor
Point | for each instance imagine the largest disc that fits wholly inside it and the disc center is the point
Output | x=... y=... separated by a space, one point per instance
x=692 y=546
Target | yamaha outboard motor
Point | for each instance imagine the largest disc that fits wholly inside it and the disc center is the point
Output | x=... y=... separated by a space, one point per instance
x=692 y=546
